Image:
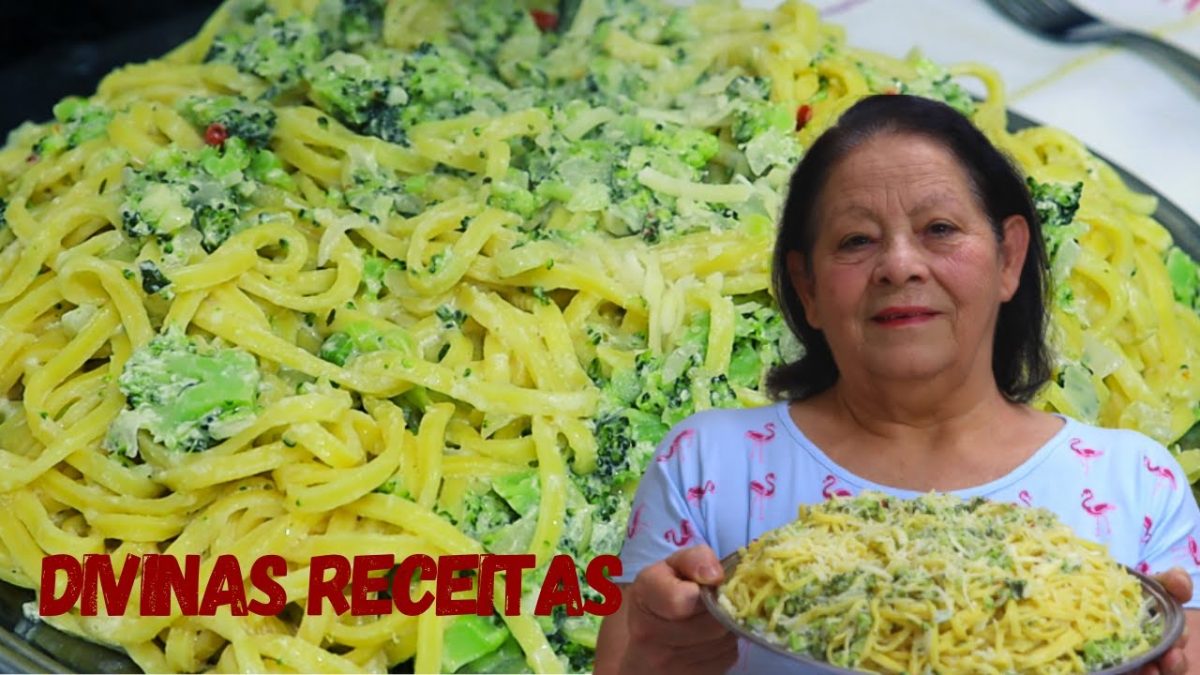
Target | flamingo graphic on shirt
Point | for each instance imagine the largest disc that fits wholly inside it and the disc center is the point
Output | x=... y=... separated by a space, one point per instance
x=761 y=438
x=1143 y=567
x=1025 y=497
x=697 y=493
x=761 y=492
x=829 y=493
x=1085 y=455
x=1164 y=475
x=676 y=447
x=1098 y=511
x=635 y=522
x=685 y=534
x=1147 y=525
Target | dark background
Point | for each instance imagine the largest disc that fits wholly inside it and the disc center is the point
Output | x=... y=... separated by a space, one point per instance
x=54 y=48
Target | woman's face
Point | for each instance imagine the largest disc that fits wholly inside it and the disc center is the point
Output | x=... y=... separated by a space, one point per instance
x=907 y=273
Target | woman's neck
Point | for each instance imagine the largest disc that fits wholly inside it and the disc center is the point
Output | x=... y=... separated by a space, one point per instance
x=919 y=413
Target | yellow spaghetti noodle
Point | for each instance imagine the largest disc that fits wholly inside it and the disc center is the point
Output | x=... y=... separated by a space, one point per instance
x=939 y=584
x=464 y=274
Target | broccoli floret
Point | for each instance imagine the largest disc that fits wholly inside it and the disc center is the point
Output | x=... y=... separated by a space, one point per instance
x=450 y=317
x=761 y=342
x=377 y=193
x=934 y=81
x=153 y=280
x=348 y=87
x=1185 y=277
x=694 y=146
x=1111 y=651
x=78 y=121
x=189 y=396
x=484 y=512
x=238 y=116
x=363 y=337
x=752 y=118
x=277 y=50
x=513 y=194
x=749 y=88
x=1056 y=203
x=375 y=272
x=351 y=23
x=207 y=190
x=3 y=214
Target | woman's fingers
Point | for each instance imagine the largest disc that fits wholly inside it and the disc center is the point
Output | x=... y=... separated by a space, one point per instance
x=1177 y=582
x=699 y=629
x=668 y=590
x=698 y=563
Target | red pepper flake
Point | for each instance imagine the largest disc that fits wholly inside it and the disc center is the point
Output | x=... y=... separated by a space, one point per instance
x=215 y=134
x=546 y=21
x=803 y=116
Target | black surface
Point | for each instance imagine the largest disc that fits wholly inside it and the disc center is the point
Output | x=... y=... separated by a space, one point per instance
x=56 y=48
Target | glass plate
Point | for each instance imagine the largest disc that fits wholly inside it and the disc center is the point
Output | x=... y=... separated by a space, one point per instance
x=1166 y=609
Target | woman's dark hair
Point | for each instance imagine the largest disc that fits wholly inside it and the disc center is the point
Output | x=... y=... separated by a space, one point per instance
x=1020 y=359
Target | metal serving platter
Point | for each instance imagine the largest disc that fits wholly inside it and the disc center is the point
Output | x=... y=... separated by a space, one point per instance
x=1166 y=610
x=33 y=646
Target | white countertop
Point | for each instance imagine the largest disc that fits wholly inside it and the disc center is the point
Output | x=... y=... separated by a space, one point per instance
x=1121 y=104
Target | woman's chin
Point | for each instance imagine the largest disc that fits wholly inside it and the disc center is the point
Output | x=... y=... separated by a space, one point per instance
x=915 y=364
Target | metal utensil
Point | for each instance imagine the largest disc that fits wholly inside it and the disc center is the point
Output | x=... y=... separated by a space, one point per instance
x=1166 y=610
x=1062 y=21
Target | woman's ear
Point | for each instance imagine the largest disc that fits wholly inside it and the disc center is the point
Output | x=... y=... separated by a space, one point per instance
x=802 y=284
x=1013 y=249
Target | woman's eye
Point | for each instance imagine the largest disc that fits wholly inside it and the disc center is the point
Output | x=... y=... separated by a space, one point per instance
x=854 y=241
x=941 y=227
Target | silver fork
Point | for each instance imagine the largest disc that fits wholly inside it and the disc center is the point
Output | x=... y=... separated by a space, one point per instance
x=1062 y=21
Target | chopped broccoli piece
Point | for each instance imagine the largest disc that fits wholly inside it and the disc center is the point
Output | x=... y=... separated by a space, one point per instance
x=248 y=120
x=752 y=119
x=1185 y=277
x=153 y=280
x=3 y=214
x=207 y=190
x=363 y=337
x=934 y=81
x=470 y=637
x=1056 y=203
x=189 y=396
x=276 y=49
x=349 y=87
x=78 y=121
x=351 y=23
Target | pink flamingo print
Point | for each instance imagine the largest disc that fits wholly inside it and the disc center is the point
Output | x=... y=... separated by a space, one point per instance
x=761 y=492
x=1147 y=525
x=828 y=483
x=1143 y=567
x=1025 y=497
x=1085 y=454
x=635 y=522
x=684 y=536
x=676 y=447
x=1164 y=475
x=1098 y=511
x=1192 y=552
x=697 y=493
x=759 y=438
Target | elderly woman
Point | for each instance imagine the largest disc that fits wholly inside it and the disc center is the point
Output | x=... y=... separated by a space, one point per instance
x=910 y=264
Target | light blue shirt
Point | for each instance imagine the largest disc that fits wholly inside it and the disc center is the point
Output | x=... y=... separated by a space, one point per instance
x=724 y=477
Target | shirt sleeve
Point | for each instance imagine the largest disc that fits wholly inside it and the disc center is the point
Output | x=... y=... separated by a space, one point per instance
x=660 y=520
x=1173 y=541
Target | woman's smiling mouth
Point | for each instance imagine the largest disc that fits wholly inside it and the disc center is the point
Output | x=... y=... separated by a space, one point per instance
x=904 y=316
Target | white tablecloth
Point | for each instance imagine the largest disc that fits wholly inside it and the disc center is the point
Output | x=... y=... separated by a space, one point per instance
x=1121 y=104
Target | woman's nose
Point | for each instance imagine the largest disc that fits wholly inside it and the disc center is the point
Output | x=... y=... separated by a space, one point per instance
x=900 y=261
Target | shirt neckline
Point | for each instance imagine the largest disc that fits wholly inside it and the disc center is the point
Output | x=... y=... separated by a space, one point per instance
x=1021 y=471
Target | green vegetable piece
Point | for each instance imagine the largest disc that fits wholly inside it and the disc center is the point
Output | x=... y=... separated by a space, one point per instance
x=188 y=396
x=520 y=490
x=242 y=118
x=469 y=637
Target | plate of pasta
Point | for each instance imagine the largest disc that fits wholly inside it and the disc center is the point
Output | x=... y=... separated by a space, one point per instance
x=941 y=584
x=393 y=276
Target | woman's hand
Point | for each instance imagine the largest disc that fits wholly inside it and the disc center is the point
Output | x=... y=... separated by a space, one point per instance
x=1179 y=585
x=670 y=631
